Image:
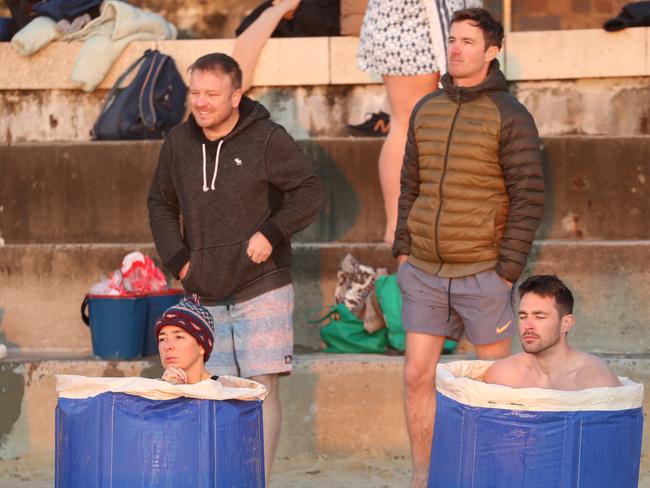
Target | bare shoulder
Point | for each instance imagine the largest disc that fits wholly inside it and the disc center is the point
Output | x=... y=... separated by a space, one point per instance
x=594 y=373
x=505 y=371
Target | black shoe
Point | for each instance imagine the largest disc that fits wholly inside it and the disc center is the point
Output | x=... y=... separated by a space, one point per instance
x=376 y=125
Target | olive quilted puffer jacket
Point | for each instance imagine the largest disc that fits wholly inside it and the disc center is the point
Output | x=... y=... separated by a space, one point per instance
x=472 y=192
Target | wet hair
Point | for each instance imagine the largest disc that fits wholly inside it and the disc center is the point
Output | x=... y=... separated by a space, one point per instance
x=483 y=19
x=219 y=62
x=549 y=286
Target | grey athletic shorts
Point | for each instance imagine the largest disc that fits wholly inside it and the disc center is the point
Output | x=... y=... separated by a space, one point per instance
x=479 y=304
x=254 y=337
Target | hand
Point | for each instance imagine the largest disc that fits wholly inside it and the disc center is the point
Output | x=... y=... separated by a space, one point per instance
x=183 y=272
x=401 y=259
x=259 y=248
x=288 y=7
x=175 y=376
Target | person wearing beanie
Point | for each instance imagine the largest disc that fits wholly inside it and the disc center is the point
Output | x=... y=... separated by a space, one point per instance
x=185 y=334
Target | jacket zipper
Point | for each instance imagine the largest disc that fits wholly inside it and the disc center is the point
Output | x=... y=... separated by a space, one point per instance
x=442 y=179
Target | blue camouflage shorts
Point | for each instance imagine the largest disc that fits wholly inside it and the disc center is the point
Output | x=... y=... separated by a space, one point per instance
x=254 y=337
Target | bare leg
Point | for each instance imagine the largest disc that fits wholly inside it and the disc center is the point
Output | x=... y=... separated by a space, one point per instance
x=272 y=411
x=249 y=44
x=403 y=93
x=422 y=356
x=496 y=350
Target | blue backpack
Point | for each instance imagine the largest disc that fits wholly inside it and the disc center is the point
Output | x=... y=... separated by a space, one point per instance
x=66 y=9
x=149 y=106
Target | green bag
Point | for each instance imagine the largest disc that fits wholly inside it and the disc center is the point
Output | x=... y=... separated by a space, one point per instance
x=390 y=301
x=344 y=333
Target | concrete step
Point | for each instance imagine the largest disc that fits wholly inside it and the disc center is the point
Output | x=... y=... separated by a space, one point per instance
x=593 y=107
x=96 y=192
x=42 y=286
x=338 y=406
x=46 y=283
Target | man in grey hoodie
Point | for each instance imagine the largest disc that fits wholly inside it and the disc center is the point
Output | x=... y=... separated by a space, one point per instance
x=243 y=187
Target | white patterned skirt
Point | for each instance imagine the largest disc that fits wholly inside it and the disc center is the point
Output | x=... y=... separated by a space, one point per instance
x=396 y=39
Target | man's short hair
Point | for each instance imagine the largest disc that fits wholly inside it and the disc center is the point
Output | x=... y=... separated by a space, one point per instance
x=219 y=62
x=549 y=286
x=483 y=19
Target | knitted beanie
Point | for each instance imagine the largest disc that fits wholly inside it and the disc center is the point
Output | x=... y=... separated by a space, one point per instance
x=194 y=319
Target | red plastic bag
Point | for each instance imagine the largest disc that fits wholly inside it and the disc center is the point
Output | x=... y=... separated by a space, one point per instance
x=141 y=275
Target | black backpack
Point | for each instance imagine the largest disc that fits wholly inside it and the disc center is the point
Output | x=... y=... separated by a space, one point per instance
x=149 y=106
x=21 y=12
x=312 y=18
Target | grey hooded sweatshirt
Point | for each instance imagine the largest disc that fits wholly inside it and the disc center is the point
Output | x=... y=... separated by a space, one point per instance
x=254 y=179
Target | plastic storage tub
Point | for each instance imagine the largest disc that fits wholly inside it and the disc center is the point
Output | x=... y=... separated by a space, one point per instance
x=137 y=433
x=500 y=437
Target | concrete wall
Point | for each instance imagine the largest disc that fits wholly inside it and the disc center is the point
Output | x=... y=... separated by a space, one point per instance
x=608 y=107
x=541 y=15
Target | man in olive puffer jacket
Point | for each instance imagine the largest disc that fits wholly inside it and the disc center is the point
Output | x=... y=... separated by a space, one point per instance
x=471 y=199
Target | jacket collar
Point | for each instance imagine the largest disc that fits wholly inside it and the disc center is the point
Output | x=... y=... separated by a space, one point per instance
x=494 y=81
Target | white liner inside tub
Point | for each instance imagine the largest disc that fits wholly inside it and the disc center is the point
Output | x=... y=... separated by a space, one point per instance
x=225 y=388
x=462 y=382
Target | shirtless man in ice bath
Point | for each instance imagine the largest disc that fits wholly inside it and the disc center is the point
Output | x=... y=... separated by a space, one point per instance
x=547 y=360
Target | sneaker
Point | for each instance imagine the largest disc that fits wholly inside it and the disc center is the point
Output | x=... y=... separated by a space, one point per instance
x=376 y=125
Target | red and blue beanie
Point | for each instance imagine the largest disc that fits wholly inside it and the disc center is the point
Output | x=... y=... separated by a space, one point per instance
x=194 y=319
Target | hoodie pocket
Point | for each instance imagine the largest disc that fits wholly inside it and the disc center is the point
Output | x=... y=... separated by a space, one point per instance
x=194 y=264
x=221 y=270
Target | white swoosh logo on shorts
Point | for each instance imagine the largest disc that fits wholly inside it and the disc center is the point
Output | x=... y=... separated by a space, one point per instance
x=501 y=330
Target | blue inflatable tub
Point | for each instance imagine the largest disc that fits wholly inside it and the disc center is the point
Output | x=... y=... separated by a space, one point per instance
x=492 y=436
x=141 y=433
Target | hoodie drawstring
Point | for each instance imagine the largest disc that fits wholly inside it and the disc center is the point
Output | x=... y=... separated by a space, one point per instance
x=449 y=301
x=205 y=183
x=216 y=167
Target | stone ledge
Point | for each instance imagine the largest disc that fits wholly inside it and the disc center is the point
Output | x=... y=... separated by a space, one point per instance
x=323 y=61
x=570 y=54
x=48 y=282
x=53 y=198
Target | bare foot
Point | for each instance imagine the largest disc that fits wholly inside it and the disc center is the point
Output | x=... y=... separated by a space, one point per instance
x=419 y=480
